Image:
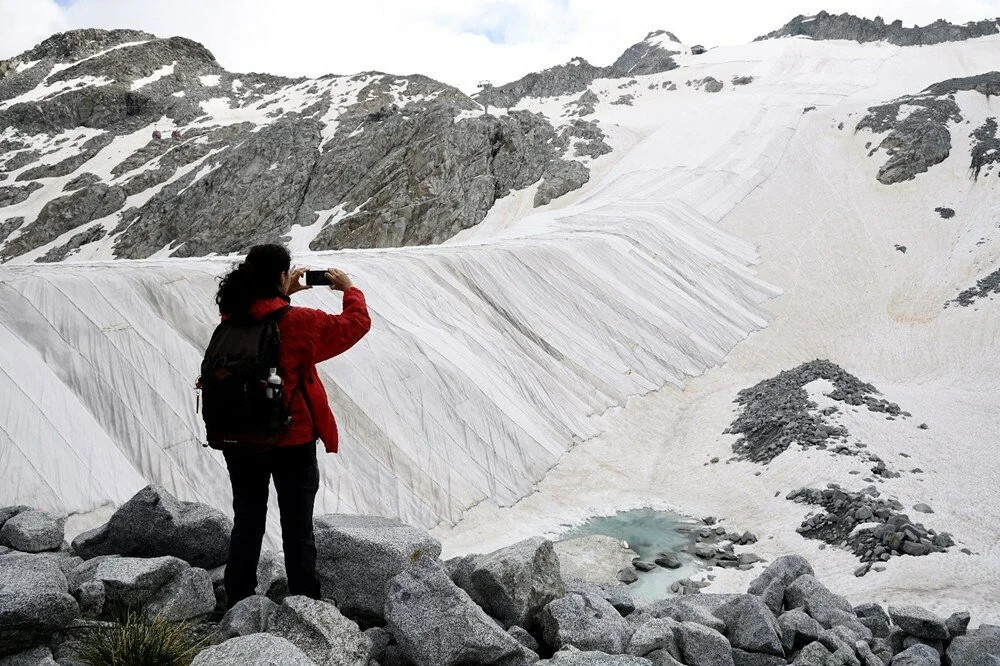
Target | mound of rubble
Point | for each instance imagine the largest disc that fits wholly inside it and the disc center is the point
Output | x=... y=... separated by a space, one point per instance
x=777 y=412
x=869 y=526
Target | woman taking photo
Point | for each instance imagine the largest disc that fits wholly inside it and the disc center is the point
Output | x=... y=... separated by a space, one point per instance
x=253 y=300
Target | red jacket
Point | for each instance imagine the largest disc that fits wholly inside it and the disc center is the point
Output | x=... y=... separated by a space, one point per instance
x=308 y=337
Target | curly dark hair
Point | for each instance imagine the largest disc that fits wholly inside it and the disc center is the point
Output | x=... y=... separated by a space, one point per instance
x=258 y=276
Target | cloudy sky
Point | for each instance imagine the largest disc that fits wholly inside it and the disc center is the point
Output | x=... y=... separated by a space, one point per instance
x=457 y=41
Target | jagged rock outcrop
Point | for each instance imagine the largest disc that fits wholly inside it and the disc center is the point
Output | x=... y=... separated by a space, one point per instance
x=920 y=138
x=847 y=26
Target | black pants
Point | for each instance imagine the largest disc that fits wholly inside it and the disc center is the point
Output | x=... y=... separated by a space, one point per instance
x=296 y=478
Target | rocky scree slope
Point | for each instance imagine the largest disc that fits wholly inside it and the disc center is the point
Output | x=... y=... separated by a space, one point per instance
x=370 y=160
x=848 y=26
x=388 y=599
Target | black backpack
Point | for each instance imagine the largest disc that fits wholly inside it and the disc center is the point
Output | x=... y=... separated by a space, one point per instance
x=237 y=405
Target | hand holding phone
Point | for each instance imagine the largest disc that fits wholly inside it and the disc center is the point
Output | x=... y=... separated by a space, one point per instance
x=317 y=278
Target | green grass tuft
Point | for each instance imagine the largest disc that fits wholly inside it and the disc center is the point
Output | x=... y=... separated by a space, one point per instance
x=135 y=640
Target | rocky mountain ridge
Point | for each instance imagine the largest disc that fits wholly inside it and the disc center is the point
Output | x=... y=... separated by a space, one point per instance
x=387 y=160
x=848 y=26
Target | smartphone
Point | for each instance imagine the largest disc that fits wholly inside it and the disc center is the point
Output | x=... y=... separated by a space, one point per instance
x=317 y=278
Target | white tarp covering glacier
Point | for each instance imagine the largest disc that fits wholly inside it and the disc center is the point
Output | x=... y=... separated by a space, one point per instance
x=490 y=356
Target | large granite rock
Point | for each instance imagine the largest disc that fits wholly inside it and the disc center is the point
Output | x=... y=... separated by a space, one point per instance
x=321 y=632
x=656 y=635
x=357 y=556
x=39 y=656
x=34 y=601
x=33 y=531
x=8 y=512
x=436 y=623
x=250 y=616
x=513 y=584
x=617 y=595
x=595 y=559
x=770 y=585
x=977 y=648
x=253 y=649
x=750 y=625
x=166 y=587
x=582 y=658
x=917 y=655
x=797 y=630
x=195 y=533
x=701 y=646
x=919 y=622
x=586 y=622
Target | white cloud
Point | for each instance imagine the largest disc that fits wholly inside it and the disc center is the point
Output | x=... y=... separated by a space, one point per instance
x=456 y=41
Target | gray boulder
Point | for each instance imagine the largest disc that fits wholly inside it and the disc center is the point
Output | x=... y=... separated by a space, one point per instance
x=253 y=649
x=797 y=629
x=958 y=623
x=701 y=646
x=513 y=584
x=40 y=656
x=321 y=632
x=436 y=623
x=977 y=648
x=917 y=655
x=827 y=608
x=250 y=616
x=357 y=556
x=90 y=596
x=867 y=656
x=521 y=635
x=919 y=622
x=8 y=512
x=33 y=531
x=616 y=595
x=272 y=579
x=34 y=601
x=581 y=658
x=193 y=532
x=815 y=654
x=750 y=625
x=133 y=581
x=586 y=622
x=874 y=617
x=771 y=583
x=658 y=634
x=698 y=608
x=188 y=595
x=744 y=658
x=594 y=558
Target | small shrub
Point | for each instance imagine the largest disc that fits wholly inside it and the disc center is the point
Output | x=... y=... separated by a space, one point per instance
x=135 y=640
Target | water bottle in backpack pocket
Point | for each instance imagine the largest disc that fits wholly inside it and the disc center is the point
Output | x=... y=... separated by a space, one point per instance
x=243 y=401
